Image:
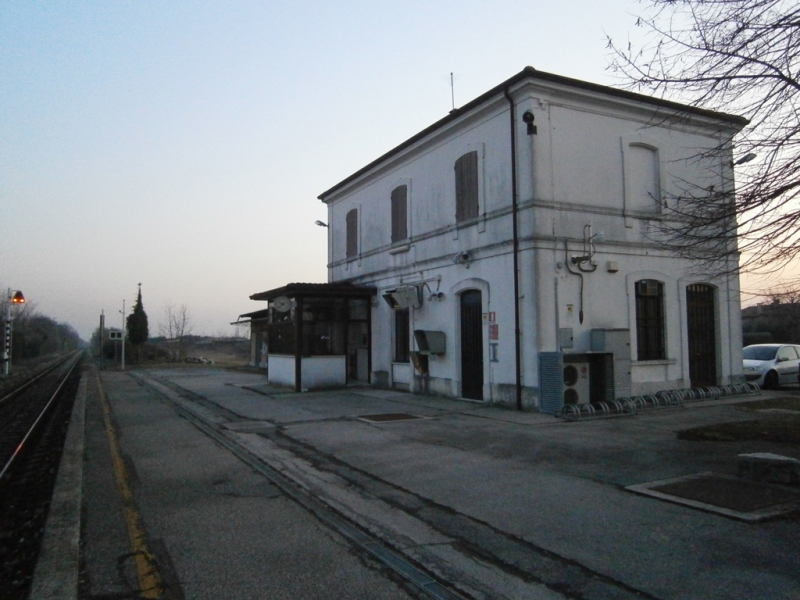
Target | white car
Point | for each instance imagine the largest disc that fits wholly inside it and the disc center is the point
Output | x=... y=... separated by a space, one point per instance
x=771 y=365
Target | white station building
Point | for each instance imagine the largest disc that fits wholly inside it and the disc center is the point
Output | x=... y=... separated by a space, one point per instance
x=504 y=253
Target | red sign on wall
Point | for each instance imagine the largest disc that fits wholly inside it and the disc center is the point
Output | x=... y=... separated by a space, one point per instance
x=494 y=331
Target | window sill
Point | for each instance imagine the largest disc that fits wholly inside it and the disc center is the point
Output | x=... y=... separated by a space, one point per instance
x=479 y=220
x=650 y=363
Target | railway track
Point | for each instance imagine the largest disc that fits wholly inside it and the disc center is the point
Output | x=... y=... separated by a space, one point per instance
x=33 y=424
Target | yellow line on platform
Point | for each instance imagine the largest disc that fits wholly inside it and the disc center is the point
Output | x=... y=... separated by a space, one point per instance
x=149 y=578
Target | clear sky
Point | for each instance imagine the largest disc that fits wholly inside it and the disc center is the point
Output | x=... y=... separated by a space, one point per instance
x=183 y=144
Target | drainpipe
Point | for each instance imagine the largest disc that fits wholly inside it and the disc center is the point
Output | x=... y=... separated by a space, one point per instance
x=517 y=351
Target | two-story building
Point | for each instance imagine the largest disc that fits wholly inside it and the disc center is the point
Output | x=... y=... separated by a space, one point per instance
x=519 y=228
x=507 y=254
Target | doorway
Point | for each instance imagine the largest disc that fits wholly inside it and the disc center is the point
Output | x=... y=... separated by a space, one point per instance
x=702 y=335
x=472 y=345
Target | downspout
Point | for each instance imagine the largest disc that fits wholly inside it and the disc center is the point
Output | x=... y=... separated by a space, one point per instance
x=517 y=333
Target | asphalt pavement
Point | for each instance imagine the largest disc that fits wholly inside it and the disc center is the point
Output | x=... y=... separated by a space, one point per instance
x=237 y=489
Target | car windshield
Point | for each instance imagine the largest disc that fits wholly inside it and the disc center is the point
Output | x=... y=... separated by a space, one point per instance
x=759 y=353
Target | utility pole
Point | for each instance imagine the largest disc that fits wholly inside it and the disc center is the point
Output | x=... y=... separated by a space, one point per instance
x=123 y=334
x=102 y=335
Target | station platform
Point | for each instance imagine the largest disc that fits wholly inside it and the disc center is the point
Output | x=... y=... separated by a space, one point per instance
x=149 y=507
x=207 y=483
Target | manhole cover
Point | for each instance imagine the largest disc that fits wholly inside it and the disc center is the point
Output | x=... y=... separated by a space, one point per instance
x=723 y=494
x=388 y=417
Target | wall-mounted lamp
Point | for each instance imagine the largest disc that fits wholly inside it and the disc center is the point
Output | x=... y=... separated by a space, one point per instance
x=320 y=223
x=462 y=258
x=528 y=118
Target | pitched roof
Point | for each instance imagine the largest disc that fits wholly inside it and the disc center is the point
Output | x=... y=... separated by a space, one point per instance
x=531 y=73
x=319 y=290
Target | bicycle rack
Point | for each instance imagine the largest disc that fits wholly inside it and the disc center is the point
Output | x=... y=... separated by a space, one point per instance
x=661 y=399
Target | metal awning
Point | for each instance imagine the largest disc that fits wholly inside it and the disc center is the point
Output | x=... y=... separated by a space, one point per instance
x=256 y=315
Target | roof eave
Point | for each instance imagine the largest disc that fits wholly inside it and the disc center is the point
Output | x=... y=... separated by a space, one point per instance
x=736 y=121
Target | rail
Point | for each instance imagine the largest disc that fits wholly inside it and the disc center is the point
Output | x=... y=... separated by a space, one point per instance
x=22 y=444
x=39 y=375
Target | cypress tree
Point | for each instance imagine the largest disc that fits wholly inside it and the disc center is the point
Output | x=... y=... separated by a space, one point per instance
x=137 y=323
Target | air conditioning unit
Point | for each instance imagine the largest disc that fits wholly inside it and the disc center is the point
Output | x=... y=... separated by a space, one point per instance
x=576 y=383
x=574 y=378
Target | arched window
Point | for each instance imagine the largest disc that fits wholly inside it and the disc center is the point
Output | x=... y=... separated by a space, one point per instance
x=650 y=320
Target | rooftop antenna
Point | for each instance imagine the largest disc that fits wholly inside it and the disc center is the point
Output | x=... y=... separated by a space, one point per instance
x=452 y=91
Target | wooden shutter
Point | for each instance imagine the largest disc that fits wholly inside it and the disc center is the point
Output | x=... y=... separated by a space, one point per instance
x=467 y=186
x=399 y=213
x=352 y=233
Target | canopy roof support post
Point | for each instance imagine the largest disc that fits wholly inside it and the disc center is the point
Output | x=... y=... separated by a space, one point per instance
x=298 y=345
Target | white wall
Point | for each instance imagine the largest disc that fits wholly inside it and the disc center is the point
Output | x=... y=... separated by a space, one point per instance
x=316 y=371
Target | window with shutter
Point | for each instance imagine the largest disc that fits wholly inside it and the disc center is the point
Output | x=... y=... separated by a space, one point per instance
x=645 y=189
x=352 y=233
x=650 y=320
x=467 y=186
x=399 y=213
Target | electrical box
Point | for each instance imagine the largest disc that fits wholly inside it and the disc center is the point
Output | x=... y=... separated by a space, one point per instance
x=618 y=343
x=565 y=337
x=430 y=342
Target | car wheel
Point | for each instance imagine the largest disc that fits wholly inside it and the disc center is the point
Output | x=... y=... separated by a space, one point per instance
x=771 y=380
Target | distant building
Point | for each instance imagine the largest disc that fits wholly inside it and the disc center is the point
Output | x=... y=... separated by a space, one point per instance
x=775 y=322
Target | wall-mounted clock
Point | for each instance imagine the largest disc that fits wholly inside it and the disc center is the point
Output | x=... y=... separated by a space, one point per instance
x=281 y=303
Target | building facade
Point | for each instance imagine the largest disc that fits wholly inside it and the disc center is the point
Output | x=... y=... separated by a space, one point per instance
x=544 y=190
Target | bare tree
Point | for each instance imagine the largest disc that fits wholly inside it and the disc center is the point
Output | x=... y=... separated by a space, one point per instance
x=242 y=330
x=176 y=326
x=741 y=57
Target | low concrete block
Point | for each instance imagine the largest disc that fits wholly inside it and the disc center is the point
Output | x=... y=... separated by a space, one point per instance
x=771 y=468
